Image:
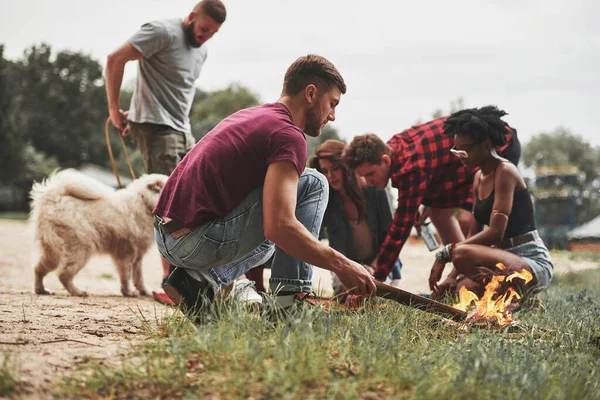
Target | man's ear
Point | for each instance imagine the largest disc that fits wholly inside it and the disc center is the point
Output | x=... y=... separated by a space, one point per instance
x=310 y=93
x=386 y=160
x=190 y=18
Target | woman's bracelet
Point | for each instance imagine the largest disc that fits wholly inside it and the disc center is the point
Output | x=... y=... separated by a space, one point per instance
x=445 y=254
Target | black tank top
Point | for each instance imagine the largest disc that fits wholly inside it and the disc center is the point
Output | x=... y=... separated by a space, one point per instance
x=520 y=220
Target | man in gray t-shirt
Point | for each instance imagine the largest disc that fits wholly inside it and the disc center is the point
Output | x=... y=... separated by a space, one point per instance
x=171 y=54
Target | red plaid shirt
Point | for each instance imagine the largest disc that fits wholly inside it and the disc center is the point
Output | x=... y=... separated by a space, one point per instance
x=425 y=172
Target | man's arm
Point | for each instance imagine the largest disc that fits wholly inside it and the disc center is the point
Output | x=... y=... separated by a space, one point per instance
x=282 y=228
x=410 y=194
x=115 y=65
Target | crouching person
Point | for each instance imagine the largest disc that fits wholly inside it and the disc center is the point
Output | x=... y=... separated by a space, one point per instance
x=503 y=203
x=242 y=196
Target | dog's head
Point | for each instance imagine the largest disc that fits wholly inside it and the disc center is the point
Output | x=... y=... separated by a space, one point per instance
x=149 y=187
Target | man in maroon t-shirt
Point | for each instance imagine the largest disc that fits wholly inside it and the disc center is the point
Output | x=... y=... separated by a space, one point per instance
x=242 y=196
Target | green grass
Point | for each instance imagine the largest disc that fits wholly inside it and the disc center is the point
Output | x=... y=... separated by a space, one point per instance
x=394 y=352
x=8 y=373
x=14 y=215
x=576 y=255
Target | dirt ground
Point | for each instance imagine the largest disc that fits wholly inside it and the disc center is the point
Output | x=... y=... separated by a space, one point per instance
x=51 y=336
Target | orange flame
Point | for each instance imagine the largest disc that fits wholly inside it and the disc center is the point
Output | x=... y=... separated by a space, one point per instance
x=493 y=306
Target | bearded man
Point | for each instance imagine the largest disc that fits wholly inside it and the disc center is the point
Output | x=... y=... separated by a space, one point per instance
x=171 y=54
x=242 y=196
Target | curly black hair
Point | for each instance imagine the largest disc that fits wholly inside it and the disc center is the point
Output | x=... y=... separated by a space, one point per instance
x=480 y=124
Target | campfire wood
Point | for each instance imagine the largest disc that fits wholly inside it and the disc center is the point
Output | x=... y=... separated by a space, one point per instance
x=419 y=302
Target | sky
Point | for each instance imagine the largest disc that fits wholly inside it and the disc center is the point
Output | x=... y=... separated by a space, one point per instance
x=539 y=60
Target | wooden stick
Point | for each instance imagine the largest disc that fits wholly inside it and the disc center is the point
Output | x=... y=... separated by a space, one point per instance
x=419 y=302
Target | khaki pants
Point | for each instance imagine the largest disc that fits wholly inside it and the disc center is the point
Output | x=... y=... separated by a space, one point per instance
x=162 y=147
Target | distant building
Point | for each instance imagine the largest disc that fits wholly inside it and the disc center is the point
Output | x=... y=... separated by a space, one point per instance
x=555 y=190
x=586 y=238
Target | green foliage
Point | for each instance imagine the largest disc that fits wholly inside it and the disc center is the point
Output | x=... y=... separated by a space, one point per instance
x=8 y=380
x=210 y=108
x=328 y=133
x=62 y=105
x=52 y=113
x=563 y=148
x=391 y=352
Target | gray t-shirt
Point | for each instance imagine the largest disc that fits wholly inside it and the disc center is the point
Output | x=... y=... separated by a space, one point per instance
x=165 y=89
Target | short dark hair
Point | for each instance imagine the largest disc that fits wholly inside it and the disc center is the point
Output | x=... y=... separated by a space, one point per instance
x=480 y=124
x=312 y=69
x=367 y=148
x=212 y=8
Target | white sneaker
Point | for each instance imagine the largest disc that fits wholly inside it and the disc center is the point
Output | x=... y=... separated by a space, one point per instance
x=396 y=283
x=245 y=292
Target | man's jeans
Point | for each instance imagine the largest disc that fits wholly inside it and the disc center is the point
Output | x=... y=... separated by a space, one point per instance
x=224 y=249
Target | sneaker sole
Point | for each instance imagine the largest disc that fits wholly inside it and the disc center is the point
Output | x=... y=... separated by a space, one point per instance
x=173 y=295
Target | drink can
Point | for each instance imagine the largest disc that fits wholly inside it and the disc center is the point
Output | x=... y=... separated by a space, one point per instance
x=428 y=236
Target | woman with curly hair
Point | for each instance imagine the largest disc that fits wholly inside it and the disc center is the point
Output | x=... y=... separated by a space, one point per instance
x=501 y=201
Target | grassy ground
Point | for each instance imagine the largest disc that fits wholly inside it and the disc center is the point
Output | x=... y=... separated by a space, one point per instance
x=8 y=373
x=391 y=352
x=14 y=215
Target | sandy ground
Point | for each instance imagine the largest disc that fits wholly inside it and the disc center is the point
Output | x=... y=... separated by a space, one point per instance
x=51 y=336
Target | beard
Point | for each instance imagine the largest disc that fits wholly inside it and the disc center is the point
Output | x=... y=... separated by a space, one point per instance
x=314 y=121
x=191 y=35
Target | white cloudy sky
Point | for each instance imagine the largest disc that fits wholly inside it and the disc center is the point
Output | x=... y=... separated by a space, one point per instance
x=537 y=59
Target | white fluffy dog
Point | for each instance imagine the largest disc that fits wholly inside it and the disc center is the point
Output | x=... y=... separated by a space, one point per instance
x=75 y=216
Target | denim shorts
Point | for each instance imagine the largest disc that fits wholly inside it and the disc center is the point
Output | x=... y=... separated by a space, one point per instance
x=537 y=256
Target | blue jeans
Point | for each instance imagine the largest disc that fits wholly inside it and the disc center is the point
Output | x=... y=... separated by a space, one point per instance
x=224 y=249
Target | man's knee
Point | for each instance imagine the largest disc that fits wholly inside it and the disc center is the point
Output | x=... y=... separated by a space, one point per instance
x=314 y=183
x=462 y=257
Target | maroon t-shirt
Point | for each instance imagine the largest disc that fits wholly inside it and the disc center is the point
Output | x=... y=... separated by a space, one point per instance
x=229 y=162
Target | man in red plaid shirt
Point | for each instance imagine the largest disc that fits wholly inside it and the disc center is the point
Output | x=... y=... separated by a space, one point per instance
x=424 y=170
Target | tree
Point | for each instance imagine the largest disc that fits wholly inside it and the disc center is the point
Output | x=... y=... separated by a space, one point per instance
x=562 y=148
x=21 y=163
x=62 y=105
x=328 y=132
x=52 y=113
x=212 y=107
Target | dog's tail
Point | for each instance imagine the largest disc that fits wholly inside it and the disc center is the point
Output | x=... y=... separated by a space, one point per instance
x=68 y=182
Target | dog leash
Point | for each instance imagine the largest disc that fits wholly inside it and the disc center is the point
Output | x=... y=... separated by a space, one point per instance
x=112 y=158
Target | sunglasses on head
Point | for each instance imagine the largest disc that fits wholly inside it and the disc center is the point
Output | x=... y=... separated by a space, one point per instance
x=462 y=153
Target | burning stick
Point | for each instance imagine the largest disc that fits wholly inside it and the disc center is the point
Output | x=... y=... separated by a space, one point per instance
x=421 y=303
x=499 y=300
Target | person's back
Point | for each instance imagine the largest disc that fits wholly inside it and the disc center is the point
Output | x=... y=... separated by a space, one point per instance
x=427 y=147
x=231 y=161
x=423 y=147
x=421 y=165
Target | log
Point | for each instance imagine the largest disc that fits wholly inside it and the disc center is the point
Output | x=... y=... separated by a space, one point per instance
x=419 y=302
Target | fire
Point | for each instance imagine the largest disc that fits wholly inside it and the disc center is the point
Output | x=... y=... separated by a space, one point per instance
x=494 y=306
